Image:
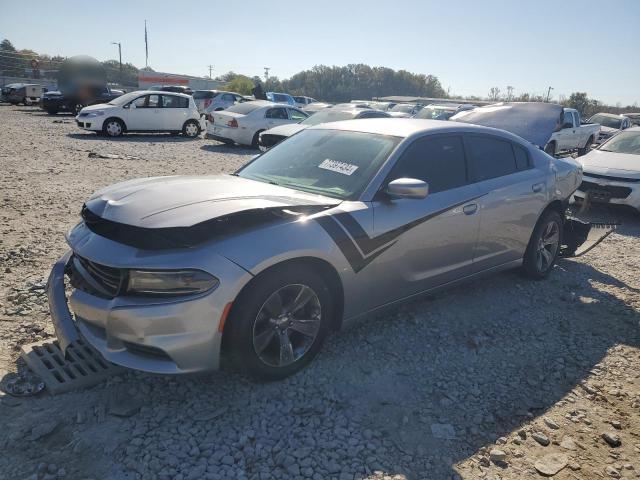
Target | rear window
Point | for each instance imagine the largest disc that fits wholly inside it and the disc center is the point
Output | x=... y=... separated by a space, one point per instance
x=491 y=157
x=243 y=108
x=280 y=98
x=200 y=94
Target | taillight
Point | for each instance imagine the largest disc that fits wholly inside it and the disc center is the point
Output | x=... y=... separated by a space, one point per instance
x=233 y=123
x=210 y=117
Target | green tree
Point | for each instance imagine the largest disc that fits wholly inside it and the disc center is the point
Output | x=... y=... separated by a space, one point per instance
x=129 y=73
x=12 y=63
x=240 y=84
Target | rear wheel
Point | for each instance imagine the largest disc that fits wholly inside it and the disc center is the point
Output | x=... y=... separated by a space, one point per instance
x=191 y=129
x=587 y=148
x=278 y=325
x=114 y=127
x=256 y=138
x=544 y=246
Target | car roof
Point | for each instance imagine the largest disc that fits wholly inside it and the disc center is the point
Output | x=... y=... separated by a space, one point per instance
x=404 y=127
x=163 y=92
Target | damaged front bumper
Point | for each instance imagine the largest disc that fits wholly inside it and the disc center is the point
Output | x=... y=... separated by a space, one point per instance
x=580 y=237
x=63 y=324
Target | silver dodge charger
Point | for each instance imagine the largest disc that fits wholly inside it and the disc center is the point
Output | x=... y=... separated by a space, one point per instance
x=171 y=274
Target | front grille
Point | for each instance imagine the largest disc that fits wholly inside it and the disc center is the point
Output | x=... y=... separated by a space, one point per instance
x=603 y=193
x=95 y=278
x=613 y=179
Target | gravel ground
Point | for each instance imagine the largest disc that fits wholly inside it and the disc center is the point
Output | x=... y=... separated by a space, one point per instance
x=502 y=378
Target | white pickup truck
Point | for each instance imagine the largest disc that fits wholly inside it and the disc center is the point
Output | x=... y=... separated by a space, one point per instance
x=572 y=135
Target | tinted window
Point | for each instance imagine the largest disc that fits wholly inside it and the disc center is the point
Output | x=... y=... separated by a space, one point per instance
x=522 y=158
x=154 y=101
x=490 y=157
x=438 y=161
x=280 y=113
x=227 y=97
x=170 y=101
x=200 y=94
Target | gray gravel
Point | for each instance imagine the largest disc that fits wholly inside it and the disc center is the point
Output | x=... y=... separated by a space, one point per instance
x=462 y=384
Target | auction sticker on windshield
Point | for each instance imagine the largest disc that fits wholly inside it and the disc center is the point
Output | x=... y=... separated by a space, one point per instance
x=340 y=167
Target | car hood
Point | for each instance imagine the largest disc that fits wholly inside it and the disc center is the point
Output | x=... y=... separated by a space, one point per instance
x=532 y=121
x=608 y=130
x=286 y=130
x=611 y=164
x=185 y=201
x=399 y=114
x=98 y=106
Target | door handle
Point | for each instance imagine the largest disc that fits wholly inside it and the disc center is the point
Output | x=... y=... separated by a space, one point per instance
x=537 y=188
x=470 y=209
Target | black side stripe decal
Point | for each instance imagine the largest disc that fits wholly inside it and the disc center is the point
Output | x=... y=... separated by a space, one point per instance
x=359 y=239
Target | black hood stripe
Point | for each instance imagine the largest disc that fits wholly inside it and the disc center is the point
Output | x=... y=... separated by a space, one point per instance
x=357 y=240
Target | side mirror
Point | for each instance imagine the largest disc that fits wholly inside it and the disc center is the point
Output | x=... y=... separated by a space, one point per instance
x=407 y=188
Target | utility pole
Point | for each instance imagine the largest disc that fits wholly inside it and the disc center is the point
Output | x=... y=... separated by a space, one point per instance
x=266 y=74
x=120 y=58
x=210 y=70
x=549 y=93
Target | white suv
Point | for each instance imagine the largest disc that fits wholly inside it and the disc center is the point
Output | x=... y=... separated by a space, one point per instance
x=144 y=111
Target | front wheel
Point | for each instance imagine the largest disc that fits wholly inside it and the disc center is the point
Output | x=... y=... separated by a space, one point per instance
x=191 y=129
x=278 y=325
x=113 y=127
x=544 y=246
x=77 y=107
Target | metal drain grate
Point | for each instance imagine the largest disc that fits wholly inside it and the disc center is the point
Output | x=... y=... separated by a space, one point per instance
x=82 y=367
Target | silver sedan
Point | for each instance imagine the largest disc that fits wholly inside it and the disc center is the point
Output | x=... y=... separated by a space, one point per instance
x=170 y=273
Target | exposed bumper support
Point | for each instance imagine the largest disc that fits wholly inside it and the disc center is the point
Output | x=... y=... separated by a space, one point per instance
x=63 y=324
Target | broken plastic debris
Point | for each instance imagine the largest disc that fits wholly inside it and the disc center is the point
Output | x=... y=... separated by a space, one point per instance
x=22 y=385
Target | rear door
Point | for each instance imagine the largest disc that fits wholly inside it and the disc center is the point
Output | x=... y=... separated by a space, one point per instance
x=513 y=194
x=276 y=116
x=430 y=241
x=175 y=111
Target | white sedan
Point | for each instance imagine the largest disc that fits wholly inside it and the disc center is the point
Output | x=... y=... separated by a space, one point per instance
x=611 y=172
x=143 y=111
x=243 y=123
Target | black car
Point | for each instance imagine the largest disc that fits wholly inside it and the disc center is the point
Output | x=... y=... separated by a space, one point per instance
x=75 y=99
x=177 y=89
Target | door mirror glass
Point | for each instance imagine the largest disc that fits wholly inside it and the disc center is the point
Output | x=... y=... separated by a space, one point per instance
x=407 y=188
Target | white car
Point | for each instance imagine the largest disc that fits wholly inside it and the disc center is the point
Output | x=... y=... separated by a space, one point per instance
x=213 y=100
x=243 y=123
x=610 y=124
x=404 y=110
x=611 y=172
x=143 y=111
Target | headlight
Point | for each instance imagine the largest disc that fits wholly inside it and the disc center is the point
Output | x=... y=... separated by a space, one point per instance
x=96 y=113
x=172 y=282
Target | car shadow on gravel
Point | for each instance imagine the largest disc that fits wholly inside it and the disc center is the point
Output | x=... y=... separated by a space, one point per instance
x=218 y=147
x=135 y=137
x=413 y=391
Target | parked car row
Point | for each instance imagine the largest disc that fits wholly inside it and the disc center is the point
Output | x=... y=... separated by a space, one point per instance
x=24 y=93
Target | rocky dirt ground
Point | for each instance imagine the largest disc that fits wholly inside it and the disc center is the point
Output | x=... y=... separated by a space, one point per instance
x=502 y=378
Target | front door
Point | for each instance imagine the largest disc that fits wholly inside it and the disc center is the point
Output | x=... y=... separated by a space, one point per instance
x=277 y=116
x=145 y=114
x=423 y=243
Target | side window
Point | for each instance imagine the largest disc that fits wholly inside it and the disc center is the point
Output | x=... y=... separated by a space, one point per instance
x=280 y=113
x=171 y=101
x=296 y=115
x=154 y=101
x=522 y=158
x=490 y=157
x=567 y=118
x=140 y=102
x=438 y=161
x=227 y=97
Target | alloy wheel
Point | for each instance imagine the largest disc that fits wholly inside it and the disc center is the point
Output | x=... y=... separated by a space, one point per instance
x=287 y=325
x=548 y=245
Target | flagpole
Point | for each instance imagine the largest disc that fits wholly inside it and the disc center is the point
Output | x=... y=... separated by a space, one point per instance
x=146 y=46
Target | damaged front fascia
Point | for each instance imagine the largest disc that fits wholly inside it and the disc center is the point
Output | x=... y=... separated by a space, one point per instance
x=187 y=237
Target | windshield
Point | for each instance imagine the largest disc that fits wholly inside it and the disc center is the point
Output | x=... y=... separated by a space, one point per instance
x=200 y=94
x=624 y=142
x=335 y=163
x=329 y=115
x=605 y=121
x=402 y=108
x=435 y=113
x=126 y=98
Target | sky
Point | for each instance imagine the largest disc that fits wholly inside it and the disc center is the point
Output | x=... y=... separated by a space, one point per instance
x=571 y=45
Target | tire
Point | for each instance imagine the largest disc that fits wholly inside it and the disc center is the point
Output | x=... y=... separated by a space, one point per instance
x=262 y=323
x=256 y=139
x=76 y=108
x=113 y=127
x=191 y=129
x=546 y=237
x=550 y=148
x=587 y=148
